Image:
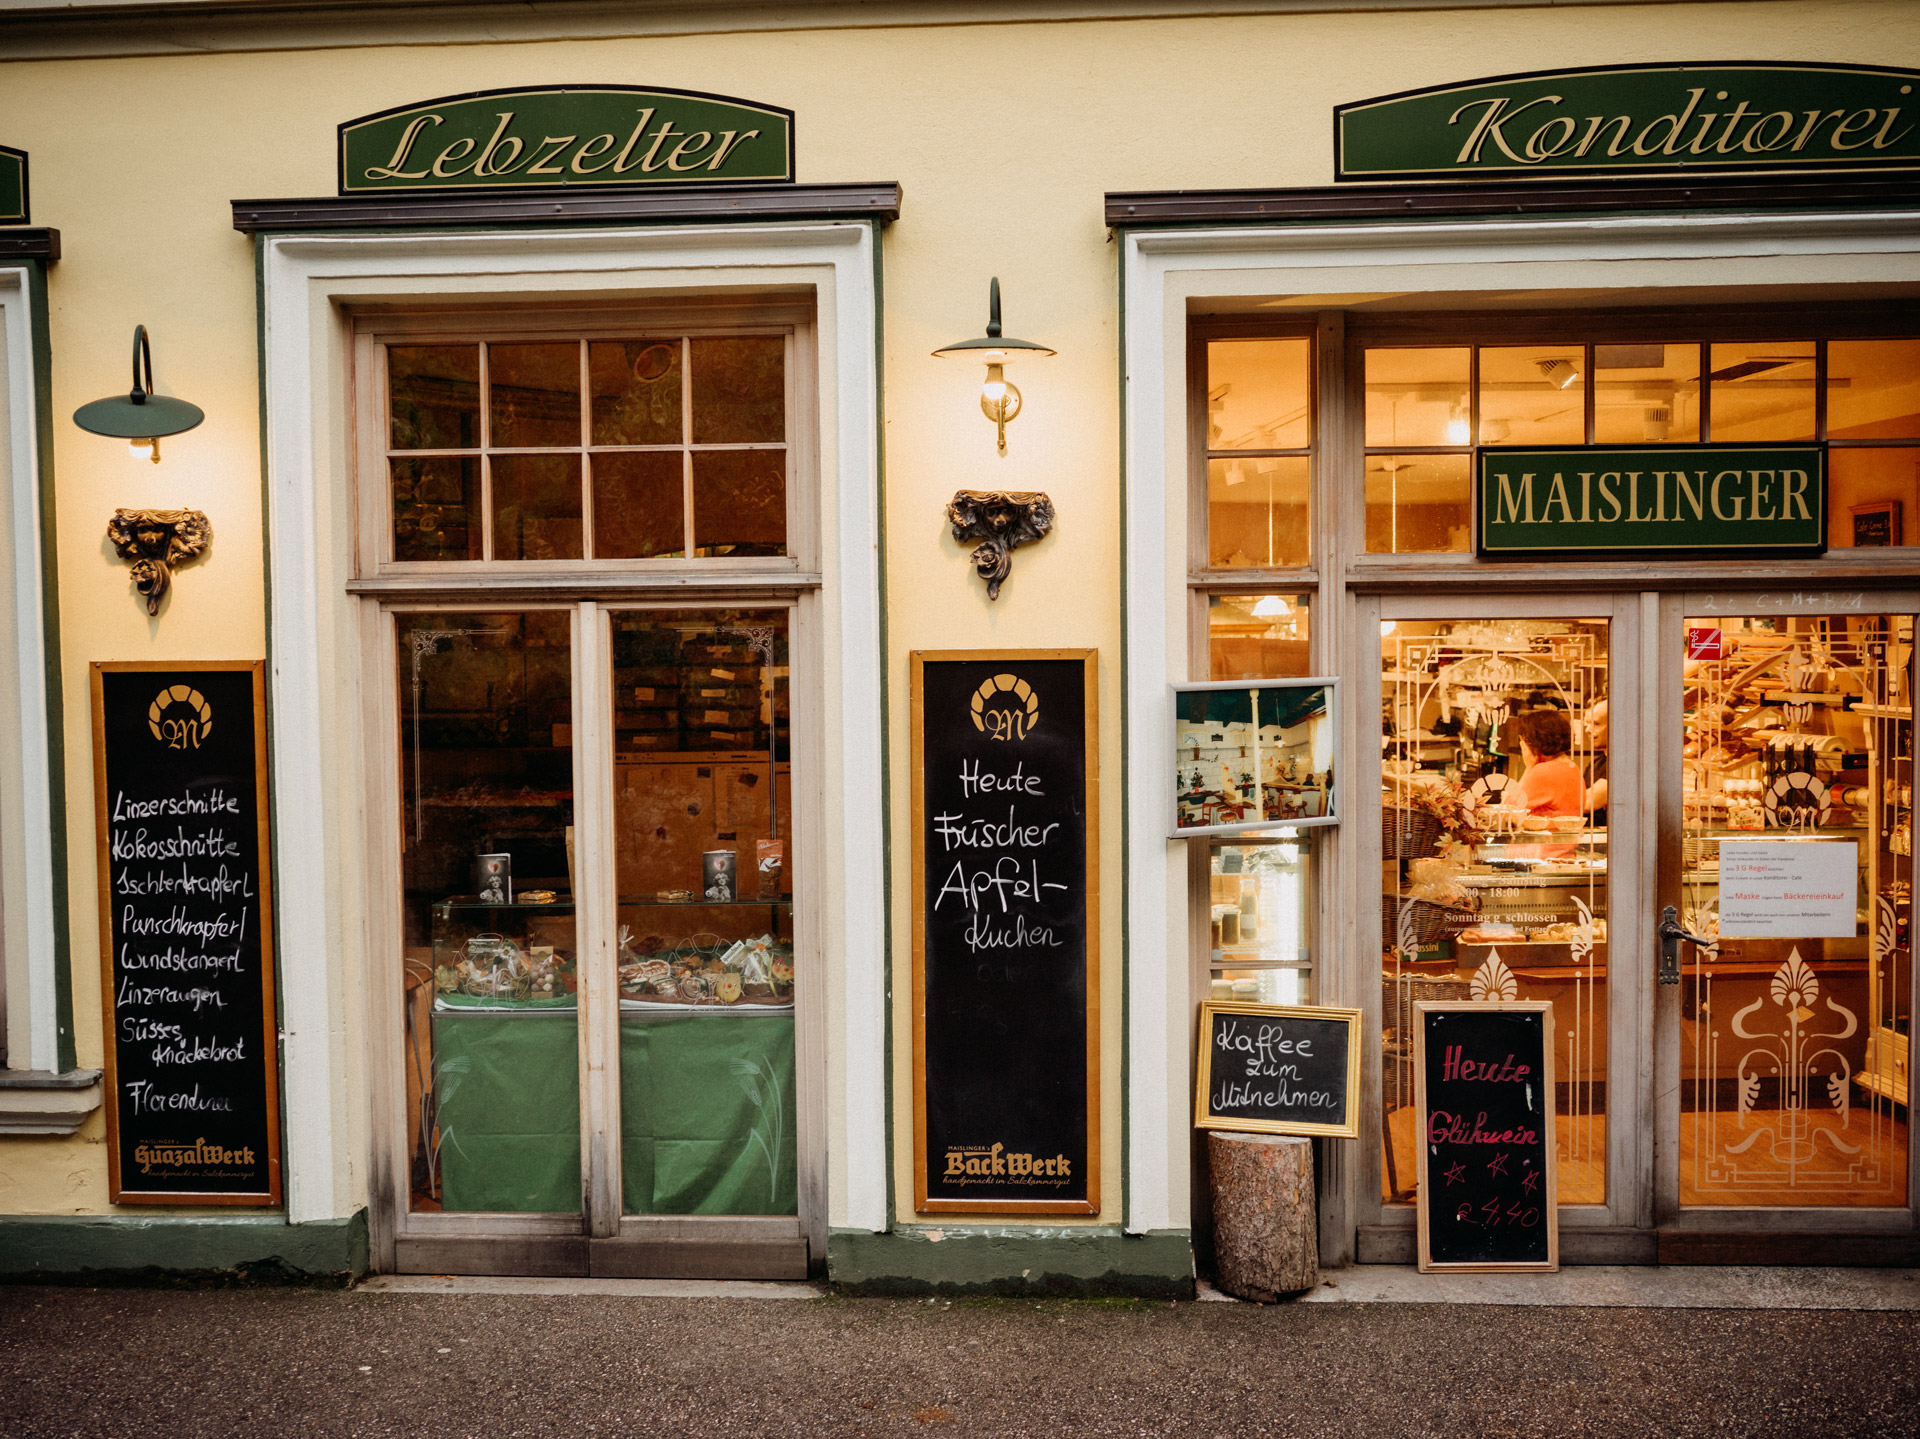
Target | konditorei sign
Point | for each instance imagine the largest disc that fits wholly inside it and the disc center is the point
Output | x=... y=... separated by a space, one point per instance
x=1636 y=119
x=13 y=186
x=566 y=136
x=1697 y=498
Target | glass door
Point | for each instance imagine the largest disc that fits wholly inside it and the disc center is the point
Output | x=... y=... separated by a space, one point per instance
x=1508 y=860
x=1791 y=1034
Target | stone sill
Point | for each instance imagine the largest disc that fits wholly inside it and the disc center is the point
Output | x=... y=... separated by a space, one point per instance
x=36 y=1101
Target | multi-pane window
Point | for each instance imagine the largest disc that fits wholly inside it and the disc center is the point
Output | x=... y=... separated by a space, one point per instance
x=1259 y=452
x=1429 y=406
x=658 y=447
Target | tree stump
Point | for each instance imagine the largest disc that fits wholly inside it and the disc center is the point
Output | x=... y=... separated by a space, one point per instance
x=1265 y=1237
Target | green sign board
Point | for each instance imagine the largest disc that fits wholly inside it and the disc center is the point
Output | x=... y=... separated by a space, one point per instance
x=566 y=136
x=1706 y=499
x=13 y=186
x=1636 y=119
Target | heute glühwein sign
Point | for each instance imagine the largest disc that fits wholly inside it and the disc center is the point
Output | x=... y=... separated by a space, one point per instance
x=567 y=137
x=1636 y=119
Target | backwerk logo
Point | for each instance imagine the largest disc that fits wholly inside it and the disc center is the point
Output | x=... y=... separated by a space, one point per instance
x=995 y=1164
x=1636 y=120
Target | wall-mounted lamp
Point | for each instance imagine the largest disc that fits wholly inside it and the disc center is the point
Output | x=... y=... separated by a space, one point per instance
x=1558 y=373
x=999 y=400
x=140 y=417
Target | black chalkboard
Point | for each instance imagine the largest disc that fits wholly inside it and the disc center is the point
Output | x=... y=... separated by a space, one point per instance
x=1484 y=1098
x=1006 y=1062
x=187 y=957
x=1278 y=1069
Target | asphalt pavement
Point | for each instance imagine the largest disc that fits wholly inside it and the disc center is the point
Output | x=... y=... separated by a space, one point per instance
x=190 y=1363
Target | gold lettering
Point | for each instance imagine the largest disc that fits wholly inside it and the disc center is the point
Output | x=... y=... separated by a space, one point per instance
x=1847 y=127
x=1760 y=489
x=1785 y=117
x=539 y=164
x=727 y=142
x=1609 y=496
x=1660 y=496
x=598 y=145
x=956 y=1164
x=1676 y=124
x=1586 y=497
x=1882 y=141
x=484 y=166
x=698 y=140
x=650 y=162
x=1493 y=127
x=1536 y=150
x=1594 y=123
x=1470 y=152
x=620 y=166
x=1698 y=147
x=1726 y=135
x=1513 y=500
x=1557 y=495
x=391 y=170
x=1739 y=502
x=1814 y=121
x=457 y=150
x=1796 y=496
x=1633 y=499
x=1682 y=490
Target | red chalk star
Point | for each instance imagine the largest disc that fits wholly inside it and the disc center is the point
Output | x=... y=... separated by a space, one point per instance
x=1456 y=1173
x=1498 y=1165
x=1533 y=1179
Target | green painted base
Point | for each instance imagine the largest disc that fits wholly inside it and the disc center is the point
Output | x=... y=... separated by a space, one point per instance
x=182 y=1250
x=1024 y=1261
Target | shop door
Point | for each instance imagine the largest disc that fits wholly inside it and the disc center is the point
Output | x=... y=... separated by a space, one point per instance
x=597 y=917
x=1512 y=864
x=1783 y=1025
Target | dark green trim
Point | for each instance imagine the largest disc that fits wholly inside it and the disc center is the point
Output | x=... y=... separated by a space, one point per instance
x=1022 y=1261
x=37 y=309
x=190 y=1249
x=886 y=702
x=748 y=203
x=1126 y=848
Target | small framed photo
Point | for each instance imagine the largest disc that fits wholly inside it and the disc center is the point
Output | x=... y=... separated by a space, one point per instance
x=1253 y=754
x=1876 y=524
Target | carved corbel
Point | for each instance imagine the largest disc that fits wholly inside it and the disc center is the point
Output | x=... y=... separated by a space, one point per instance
x=1002 y=520
x=154 y=541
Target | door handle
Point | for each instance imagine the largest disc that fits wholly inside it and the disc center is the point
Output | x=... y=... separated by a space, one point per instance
x=1670 y=936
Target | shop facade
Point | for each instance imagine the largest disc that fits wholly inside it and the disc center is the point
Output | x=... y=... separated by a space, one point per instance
x=605 y=546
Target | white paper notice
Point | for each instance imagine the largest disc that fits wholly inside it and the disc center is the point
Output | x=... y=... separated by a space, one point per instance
x=1789 y=889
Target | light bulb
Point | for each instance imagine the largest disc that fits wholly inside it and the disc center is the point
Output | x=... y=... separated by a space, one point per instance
x=144 y=450
x=1387 y=627
x=1269 y=605
x=995 y=388
x=1458 y=432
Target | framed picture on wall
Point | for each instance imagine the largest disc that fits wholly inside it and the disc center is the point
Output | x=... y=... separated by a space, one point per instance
x=1252 y=754
x=1876 y=524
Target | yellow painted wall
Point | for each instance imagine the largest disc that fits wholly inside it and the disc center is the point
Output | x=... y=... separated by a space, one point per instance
x=1005 y=138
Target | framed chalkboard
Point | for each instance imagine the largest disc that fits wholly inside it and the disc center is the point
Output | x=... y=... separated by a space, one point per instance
x=1483 y=1094
x=186 y=929
x=1006 y=975
x=1278 y=1069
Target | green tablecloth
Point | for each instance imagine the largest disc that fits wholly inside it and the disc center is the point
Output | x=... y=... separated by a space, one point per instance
x=707 y=1112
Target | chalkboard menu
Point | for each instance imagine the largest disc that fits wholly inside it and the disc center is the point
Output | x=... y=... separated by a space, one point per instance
x=179 y=762
x=1278 y=1069
x=1006 y=973
x=1483 y=1081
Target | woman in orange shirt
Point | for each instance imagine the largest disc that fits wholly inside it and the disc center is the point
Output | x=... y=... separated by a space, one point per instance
x=1552 y=786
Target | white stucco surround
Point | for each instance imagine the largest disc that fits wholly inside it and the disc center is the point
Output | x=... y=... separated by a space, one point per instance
x=1162 y=272
x=27 y=958
x=318 y=791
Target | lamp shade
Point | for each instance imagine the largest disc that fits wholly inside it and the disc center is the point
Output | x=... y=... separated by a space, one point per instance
x=992 y=348
x=139 y=414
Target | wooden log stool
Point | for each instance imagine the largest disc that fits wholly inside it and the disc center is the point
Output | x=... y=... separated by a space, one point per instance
x=1265 y=1236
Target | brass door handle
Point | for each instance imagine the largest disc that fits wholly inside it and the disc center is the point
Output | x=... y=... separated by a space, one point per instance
x=1671 y=934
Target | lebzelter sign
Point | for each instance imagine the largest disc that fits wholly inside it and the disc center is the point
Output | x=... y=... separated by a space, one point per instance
x=13 y=186
x=1678 y=497
x=595 y=135
x=1635 y=119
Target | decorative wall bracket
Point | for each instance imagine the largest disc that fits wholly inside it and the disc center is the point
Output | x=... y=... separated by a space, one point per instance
x=1002 y=520
x=154 y=541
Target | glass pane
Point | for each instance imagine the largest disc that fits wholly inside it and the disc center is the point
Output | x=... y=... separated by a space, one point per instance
x=1646 y=394
x=740 y=502
x=1257 y=512
x=1873 y=389
x=436 y=509
x=534 y=394
x=433 y=397
x=1533 y=395
x=703 y=834
x=1419 y=504
x=486 y=735
x=1258 y=950
x=1257 y=637
x=1870 y=494
x=739 y=389
x=639 y=505
x=536 y=507
x=1257 y=395
x=1797 y=861
x=636 y=391
x=1418 y=397
x=1494 y=880
x=1259 y=755
x=1762 y=391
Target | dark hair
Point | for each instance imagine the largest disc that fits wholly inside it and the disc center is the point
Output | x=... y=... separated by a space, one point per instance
x=1547 y=732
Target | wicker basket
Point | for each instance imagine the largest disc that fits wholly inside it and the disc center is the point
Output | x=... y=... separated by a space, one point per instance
x=1426 y=921
x=1407 y=833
